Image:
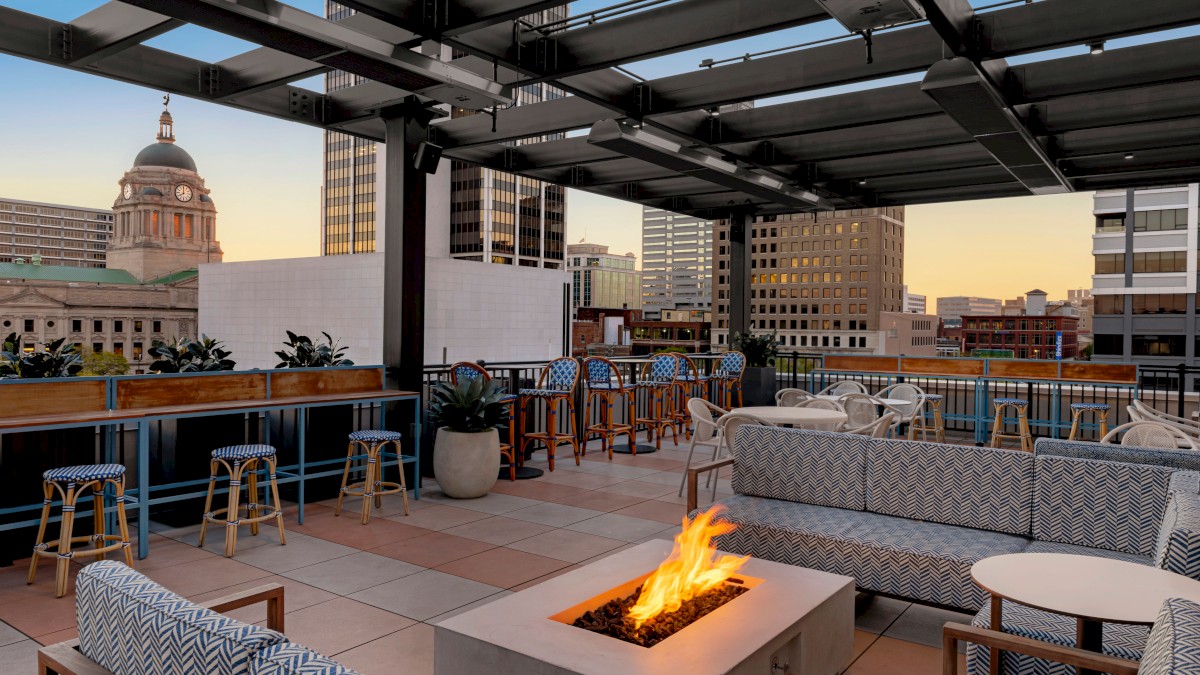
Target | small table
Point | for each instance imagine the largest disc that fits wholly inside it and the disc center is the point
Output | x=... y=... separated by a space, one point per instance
x=798 y=417
x=894 y=402
x=1093 y=590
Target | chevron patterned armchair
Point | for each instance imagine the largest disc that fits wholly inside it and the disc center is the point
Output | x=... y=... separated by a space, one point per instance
x=908 y=519
x=129 y=625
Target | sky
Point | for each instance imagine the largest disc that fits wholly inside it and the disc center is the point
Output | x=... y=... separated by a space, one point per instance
x=67 y=137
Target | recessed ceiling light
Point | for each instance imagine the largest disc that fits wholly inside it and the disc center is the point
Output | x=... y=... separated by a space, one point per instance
x=862 y=181
x=1096 y=47
x=1129 y=155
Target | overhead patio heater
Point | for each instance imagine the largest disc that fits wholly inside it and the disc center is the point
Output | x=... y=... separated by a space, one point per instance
x=860 y=16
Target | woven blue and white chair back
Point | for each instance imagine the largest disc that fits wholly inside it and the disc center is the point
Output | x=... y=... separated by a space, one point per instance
x=599 y=370
x=663 y=368
x=464 y=371
x=561 y=374
x=733 y=363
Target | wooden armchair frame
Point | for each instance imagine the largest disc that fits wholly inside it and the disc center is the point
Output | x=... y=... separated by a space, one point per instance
x=953 y=633
x=65 y=658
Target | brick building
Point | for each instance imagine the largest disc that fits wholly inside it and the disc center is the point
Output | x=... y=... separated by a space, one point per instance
x=1029 y=337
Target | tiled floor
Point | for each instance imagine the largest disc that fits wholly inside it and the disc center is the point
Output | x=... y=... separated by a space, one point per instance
x=369 y=595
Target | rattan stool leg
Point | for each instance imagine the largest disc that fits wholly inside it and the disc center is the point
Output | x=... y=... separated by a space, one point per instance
x=369 y=482
x=997 y=425
x=1026 y=436
x=337 y=509
x=212 y=484
x=400 y=470
x=551 y=429
x=573 y=421
x=379 y=479
x=271 y=466
x=1103 y=423
x=122 y=524
x=1075 y=415
x=252 y=495
x=231 y=514
x=98 y=530
x=63 y=566
x=47 y=496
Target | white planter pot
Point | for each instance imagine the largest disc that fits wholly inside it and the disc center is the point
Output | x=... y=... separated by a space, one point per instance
x=466 y=465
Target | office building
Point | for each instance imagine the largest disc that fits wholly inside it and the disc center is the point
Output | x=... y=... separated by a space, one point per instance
x=57 y=234
x=495 y=217
x=603 y=279
x=913 y=303
x=676 y=262
x=1144 y=286
x=687 y=329
x=959 y=306
x=907 y=334
x=1041 y=331
x=818 y=280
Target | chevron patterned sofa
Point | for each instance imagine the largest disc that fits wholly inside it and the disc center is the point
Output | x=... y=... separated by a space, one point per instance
x=130 y=625
x=909 y=519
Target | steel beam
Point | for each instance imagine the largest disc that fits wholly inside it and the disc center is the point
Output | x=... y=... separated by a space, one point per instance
x=112 y=27
x=953 y=19
x=741 y=228
x=259 y=70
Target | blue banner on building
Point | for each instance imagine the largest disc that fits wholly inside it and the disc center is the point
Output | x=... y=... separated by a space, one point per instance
x=1058 y=345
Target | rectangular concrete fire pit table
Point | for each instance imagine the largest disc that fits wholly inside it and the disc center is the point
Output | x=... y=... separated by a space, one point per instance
x=798 y=619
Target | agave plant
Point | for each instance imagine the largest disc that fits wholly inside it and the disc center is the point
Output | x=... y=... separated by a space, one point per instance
x=470 y=407
x=190 y=356
x=304 y=353
x=57 y=359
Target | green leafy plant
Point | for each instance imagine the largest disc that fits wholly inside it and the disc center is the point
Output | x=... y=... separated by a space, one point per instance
x=104 y=363
x=671 y=350
x=470 y=407
x=302 y=352
x=57 y=359
x=760 y=350
x=185 y=355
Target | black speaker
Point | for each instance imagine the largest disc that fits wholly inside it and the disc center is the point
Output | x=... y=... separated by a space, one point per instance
x=427 y=157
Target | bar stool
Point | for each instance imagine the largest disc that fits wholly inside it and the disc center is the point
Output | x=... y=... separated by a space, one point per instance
x=373 y=487
x=600 y=383
x=465 y=370
x=728 y=379
x=689 y=384
x=1020 y=405
x=70 y=482
x=241 y=460
x=1077 y=411
x=920 y=423
x=658 y=380
x=555 y=385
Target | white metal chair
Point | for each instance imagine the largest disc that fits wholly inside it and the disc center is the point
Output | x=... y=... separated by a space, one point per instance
x=860 y=409
x=1150 y=435
x=842 y=388
x=915 y=407
x=728 y=425
x=877 y=429
x=706 y=431
x=790 y=397
x=823 y=404
x=1139 y=411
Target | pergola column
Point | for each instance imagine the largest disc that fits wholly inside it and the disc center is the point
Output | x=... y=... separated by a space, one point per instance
x=406 y=126
x=741 y=224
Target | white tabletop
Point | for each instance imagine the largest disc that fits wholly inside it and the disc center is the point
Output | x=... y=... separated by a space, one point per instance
x=894 y=402
x=794 y=416
x=1084 y=586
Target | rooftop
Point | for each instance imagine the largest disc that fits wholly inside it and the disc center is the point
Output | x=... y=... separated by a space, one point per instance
x=89 y=275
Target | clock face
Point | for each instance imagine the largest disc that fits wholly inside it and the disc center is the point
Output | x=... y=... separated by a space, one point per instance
x=128 y=190
x=183 y=193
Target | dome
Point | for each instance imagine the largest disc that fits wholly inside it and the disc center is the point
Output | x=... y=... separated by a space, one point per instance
x=165 y=154
x=206 y=198
x=153 y=192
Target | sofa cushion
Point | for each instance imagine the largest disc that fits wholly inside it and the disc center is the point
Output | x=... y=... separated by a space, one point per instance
x=1178 y=548
x=289 y=658
x=985 y=488
x=814 y=467
x=930 y=562
x=1120 y=640
x=130 y=625
x=1174 y=644
x=1178 y=459
x=1099 y=504
x=1057 y=547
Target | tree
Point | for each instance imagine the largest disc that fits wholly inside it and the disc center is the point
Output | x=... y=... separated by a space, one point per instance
x=104 y=363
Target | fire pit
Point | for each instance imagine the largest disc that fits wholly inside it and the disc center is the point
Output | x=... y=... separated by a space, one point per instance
x=795 y=619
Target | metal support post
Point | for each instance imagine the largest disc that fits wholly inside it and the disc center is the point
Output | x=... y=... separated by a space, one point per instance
x=740 y=236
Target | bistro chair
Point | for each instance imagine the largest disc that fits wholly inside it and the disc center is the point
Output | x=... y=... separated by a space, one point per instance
x=371 y=443
x=727 y=427
x=1020 y=406
x=1100 y=410
x=842 y=388
x=239 y=461
x=877 y=429
x=823 y=404
x=922 y=424
x=910 y=411
x=727 y=379
x=1139 y=411
x=555 y=385
x=1150 y=435
x=604 y=386
x=688 y=384
x=706 y=431
x=790 y=397
x=658 y=381
x=465 y=370
x=70 y=482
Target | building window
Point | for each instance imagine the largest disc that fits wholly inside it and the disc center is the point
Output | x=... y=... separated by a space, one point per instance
x=1159 y=261
x=1113 y=222
x=118 y=326
x=118 y=348
x=28 y=325
x=97 y=326
x=137 y=327
x=1109 y=304
x=157 y=326
x=1110 y=263
x=76 y=325
x=97 y=346
x=1158 y=345
x=1157 y=221
x=1172 y=303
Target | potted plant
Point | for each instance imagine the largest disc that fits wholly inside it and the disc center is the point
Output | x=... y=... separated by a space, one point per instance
x=303 y=352
x=466 y=451
x=190 y=356
x=758 y=380
x=57 y=359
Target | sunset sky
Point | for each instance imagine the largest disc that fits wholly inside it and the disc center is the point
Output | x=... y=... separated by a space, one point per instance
x=67 y=137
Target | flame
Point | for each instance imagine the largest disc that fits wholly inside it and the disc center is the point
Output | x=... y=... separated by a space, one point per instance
x=689 y=571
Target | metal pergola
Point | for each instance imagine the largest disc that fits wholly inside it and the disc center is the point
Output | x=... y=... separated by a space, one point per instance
x=973 y=128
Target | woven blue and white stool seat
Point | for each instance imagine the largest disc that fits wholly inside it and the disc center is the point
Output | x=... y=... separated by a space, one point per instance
x=610 y=386
x=1010 y=401
x=545 y=392
x=375 y=436
x=693 y=378
x=256 y=451
x=934 y=397
x=1090 y=406
x=84 y=473
x=508 y=398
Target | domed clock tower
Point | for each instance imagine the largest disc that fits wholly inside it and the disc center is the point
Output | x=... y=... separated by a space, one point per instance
x=163 y=219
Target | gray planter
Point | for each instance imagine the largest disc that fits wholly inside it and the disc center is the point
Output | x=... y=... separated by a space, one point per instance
x=759 y=386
